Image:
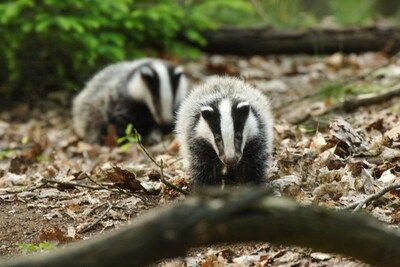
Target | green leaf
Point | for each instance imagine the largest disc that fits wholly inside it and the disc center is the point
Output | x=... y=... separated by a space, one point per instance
x=129 y=129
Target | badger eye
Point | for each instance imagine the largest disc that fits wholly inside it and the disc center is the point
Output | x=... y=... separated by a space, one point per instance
x=238 y=135
x=218 y=138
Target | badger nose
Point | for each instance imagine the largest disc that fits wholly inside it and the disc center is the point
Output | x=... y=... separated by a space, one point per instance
x=230 y=161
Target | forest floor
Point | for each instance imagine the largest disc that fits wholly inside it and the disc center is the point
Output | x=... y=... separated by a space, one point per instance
x=56 y=189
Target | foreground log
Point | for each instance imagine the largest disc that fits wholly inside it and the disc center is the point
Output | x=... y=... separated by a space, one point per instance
x=263 y=41
x=229 y=218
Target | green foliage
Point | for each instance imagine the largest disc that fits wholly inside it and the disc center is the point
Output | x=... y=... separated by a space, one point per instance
x=334 y=90
x=338 y=90
x=237 y=12
x=52 y=44
x=131 y=137
x=352 y=12
x=7 y=153
x=287 y=14
x=28 y=248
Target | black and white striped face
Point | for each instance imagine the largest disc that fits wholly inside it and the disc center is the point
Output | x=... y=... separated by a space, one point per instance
x=227 y=126
x=162 y=87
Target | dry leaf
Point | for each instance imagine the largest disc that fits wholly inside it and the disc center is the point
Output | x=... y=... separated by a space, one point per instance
x=53 y=233
x=123 y=178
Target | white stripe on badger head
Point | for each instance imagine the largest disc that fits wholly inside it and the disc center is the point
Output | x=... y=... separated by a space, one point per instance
x=242 y=104
x=250 y=128
x=139 y=91
x=182 y=90
x=203 y=130
x=207 y=108
x=166 y=97
x=146 y=70
x=227 y=128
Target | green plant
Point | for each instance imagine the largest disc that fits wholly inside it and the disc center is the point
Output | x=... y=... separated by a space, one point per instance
x=51 y=45
x=7 y=153
x=28 y=248
x=352 y=12
x=131 y=137
x=286 y=14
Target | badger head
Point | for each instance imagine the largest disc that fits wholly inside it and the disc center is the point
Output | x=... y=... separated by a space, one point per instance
x=162 y=87
x=227 y=126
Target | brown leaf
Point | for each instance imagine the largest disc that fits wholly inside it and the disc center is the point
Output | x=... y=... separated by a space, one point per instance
x=154 y=175
x=19 y=165
x=377 y=125
x=333 y=191
x=110 y=139
x=123 y=178
x=32 y=151
x=53 y=233
x=343 y=132
x=395 y=218
x=393 y=135
x=211 y=261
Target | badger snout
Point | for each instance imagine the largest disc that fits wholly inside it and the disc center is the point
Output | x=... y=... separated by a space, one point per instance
x=230 y=160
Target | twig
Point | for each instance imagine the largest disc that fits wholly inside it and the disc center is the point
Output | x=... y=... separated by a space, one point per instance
x=167 y=183
x=119 y=190
x=26 y=189
x=358 y=205
x=161 y=167
x=90 y=226
x=47 y=181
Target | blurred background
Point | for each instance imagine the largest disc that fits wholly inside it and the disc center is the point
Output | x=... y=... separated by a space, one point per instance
x=49 y=45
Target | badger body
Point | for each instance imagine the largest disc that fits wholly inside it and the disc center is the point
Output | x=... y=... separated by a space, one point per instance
x=144 y=92
x=225 y=129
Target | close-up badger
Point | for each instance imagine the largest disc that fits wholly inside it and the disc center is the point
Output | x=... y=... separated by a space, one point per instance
x=145 y=93
x=225 y=129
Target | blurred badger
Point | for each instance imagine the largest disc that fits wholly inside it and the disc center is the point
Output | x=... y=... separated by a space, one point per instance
x=144 y=92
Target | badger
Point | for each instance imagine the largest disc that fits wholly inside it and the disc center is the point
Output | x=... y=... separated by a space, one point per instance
x=145 y=93
x=225 y=129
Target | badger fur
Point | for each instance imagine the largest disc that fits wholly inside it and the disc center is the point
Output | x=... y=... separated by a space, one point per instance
x=144 y=92
x=225 y=129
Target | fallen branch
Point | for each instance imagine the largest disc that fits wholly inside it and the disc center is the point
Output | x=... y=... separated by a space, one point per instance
x=358 y=205
x=352 y=104
x=349 y=105
x=347 y=82
x=229 y=218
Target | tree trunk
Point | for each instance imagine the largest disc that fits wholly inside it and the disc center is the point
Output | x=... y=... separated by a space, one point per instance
x=264 y=41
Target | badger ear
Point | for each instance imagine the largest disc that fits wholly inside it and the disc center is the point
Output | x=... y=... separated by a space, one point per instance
x=207 y=112
x=243 y=108
x=178 y=71
x=146 y=72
